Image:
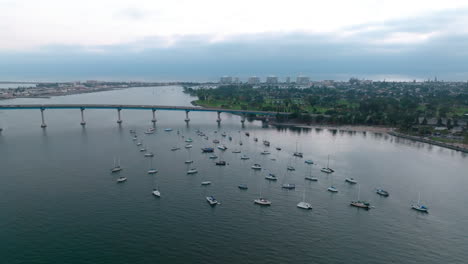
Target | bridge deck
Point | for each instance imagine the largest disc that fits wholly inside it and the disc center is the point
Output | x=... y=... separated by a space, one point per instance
x=136 y=107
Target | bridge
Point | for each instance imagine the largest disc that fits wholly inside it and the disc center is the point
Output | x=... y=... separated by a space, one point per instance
x=153 y=108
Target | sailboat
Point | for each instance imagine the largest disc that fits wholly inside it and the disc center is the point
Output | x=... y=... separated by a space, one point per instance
x=350 y=180
x=297 y=153
x=261 y=200
x=288 y=186
x=418 y=206
x=332 y=188
x=156 y=193
x=360 y=204
x=116 y=168
x=121 y=179
x=327 y=169
x=304 y=204
x=189 y=160
x=151 y=170
x=309 y=176
x=192 y=171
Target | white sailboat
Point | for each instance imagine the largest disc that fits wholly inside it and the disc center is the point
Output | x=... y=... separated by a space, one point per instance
x=297 y=153
x=309 y=176
x=327 y=169
x=261 y=200
x=151 y=170
x=116 y=167
x=303 y=204
x=332 y=188
x=418 y=206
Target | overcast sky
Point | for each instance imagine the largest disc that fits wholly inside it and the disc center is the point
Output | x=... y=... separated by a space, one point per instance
x=203 y=39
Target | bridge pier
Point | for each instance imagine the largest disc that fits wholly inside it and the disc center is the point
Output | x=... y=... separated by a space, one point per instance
x=43 y=125
x=119 y=120
x=187 y=119
x=243 y=118
x=154 y=116
x=83 y=123
x=219 y=117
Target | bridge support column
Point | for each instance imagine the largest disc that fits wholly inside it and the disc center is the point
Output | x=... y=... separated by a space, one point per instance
x=243 y=118
x=219 y=118
x=187 y=119
x=154 y=116
x=82 y=117
x=119 y=120
x=43 y=125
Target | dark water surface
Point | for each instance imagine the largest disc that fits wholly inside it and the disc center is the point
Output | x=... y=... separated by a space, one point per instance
x=60 y=203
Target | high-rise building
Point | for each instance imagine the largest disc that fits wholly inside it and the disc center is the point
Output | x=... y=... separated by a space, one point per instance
x=288 y=80
x=272 y=80
x=235 y=80
x=302 y=80
x=254 y=80
x=225 y=80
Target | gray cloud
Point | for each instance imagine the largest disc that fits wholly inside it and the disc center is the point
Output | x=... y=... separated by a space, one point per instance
x=321 y=56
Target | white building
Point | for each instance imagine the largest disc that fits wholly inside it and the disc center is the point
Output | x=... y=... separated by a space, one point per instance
x=272 y=80
x=302 y=80
x=225 y=80
x=254 y=80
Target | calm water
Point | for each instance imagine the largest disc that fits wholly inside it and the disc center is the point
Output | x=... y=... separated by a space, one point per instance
x=60 y=204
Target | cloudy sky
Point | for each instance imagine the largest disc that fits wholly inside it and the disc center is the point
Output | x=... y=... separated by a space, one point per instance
x=204 y=39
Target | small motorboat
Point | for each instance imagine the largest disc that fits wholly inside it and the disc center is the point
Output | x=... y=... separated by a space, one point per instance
x=121 y=179
x=223 y=134
x=247 y=134
x=291 y=168
x=255 y=139
x=266 y=143
x=152 y=171
x=243 y=186
x=207 y=150
x=221 y=163
x=222 y=147
x=244 y=157
x=288 y=186
x=236 y=151
x=382 y=192
x=309 y=162
x=142 y=149
x=168 y=129
x=262 y=201
x=134 y=138
x=360 y=204
x=278 y=148
x=149 y=154
x=350 y=180
x=332 y=189
x=215 y=141
x=271 y=177
x=188 y=146
x=188 y=140
x=211 y=200
x=265 y=152
x=230 y=138
x=175 y=148
x=148 y=132
x=132 y=131
x=205 y=183
x=256 y=166
x=304 y=205
x=213 y=157
x=192 y=171
x=188 y=161
x=156 y=193
x=139 y=143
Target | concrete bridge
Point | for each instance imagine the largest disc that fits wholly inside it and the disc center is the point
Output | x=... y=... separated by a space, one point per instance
x=153 y=108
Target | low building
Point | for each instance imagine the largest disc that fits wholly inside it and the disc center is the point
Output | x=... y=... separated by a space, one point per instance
x=272 y=80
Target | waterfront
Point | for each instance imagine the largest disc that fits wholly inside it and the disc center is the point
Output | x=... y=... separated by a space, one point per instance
x=61 y=204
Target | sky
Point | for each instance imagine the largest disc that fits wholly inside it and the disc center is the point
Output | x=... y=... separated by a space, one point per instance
x=156 y=40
